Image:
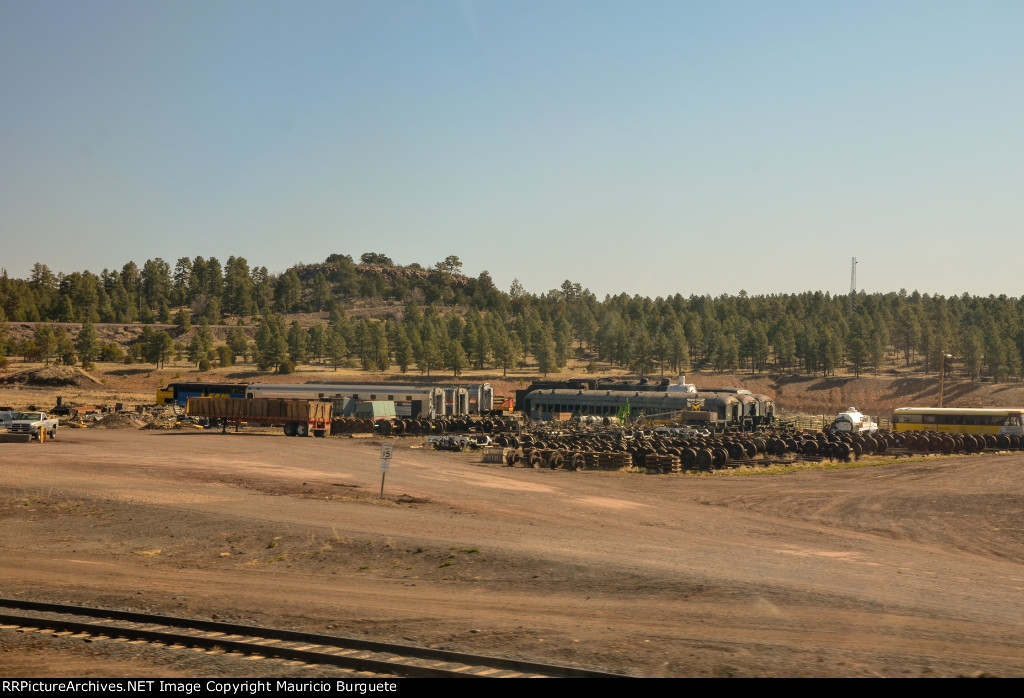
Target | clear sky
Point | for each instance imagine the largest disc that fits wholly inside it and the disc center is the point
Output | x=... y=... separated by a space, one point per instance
x=641 y=147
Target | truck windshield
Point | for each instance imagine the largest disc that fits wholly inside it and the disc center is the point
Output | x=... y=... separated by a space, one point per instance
x=33 y=416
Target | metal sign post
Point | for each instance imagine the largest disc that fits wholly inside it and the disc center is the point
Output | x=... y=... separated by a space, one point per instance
x=386 y=450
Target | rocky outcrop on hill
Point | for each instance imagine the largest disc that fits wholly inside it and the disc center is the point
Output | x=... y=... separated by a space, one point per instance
x=51 y=377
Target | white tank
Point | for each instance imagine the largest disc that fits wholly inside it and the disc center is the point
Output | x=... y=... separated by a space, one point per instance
x=681 y=387
x=853 y=422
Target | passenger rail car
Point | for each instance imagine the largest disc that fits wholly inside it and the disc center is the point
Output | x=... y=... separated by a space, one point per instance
x=644 y=385
x=417 y=402
x=456 y=398
x=959 y=420
x=481 y=397
x=544 y=404
x=730 y=407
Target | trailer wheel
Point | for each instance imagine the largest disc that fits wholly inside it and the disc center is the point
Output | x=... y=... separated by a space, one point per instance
x=301 y=429
x=289 y=429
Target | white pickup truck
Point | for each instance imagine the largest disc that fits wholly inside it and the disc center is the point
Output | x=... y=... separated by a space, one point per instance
x=32 y=423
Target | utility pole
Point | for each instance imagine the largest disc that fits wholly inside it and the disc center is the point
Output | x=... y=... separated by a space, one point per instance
x=942 y=373
x=853 y=282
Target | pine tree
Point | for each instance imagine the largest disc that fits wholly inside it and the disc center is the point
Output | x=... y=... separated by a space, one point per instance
x=337 y=350
x=545 y=352
x=403 y=349
x=87 y=344
x=238 y=342
x=297 y=341
x=65 y=347
x=45 y=341
x=455 y=357
x=430 y=356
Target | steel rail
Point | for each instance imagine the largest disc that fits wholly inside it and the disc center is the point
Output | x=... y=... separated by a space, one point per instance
x=312 y=648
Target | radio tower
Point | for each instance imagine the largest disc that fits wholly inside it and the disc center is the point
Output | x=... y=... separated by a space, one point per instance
x=853 y=282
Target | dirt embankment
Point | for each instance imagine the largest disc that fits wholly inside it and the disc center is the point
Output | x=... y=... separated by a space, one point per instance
x=876 y=395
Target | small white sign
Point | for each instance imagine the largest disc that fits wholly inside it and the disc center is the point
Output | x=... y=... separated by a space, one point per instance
x=384 y=465
x=385 y=451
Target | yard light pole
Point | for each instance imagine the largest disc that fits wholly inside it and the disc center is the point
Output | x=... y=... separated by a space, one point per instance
x=942 y=373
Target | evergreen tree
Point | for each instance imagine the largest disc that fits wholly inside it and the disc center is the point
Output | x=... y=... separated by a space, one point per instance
x=545 y=352
x=858 y=355
x=321 y=292
x=288 y=292
x=45 y=341
x=297 y=341
x=238 y=287
x=337 y=350
x=403 y=349
x=201 y=345
x=973 y=350
x=4 y=334
x=430 y=356
x=317 y=343
x=876 y=352
x=87 y=344
x=678 y=353
x=238 y=342
x=155 y=282
x=563 y=341
x=159 y=347
x=212 y=313
x=65 y=347
x=643 y=352
x=380 y=352
x=225 y=355
x=271 y=343
x=455 y=357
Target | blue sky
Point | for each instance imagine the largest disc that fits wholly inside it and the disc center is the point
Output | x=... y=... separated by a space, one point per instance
x=645 y=147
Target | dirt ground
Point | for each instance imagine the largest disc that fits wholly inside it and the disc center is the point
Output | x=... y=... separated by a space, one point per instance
x=905 y=569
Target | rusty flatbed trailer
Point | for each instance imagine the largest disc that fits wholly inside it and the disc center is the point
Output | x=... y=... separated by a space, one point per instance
x=298 y=417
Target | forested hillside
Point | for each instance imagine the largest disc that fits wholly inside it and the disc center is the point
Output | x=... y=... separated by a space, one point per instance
x=375 y=315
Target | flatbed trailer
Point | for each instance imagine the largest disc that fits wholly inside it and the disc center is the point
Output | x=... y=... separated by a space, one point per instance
x=298 y=417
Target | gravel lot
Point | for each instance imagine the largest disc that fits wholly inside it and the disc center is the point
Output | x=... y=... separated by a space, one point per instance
x=908 y=569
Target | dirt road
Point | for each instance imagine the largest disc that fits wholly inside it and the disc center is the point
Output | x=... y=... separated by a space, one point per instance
x=912 y=569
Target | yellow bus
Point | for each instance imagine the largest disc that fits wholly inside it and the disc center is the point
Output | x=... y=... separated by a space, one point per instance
x=960 y=420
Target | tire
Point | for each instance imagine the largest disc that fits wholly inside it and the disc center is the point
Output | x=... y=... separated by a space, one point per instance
x=289 y=429
x=52 y=434
x=301 y=429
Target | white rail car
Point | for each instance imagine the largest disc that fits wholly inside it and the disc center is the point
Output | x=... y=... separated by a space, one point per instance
x=413 y=401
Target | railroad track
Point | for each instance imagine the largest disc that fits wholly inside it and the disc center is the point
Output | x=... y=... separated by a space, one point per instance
x=348 y=653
